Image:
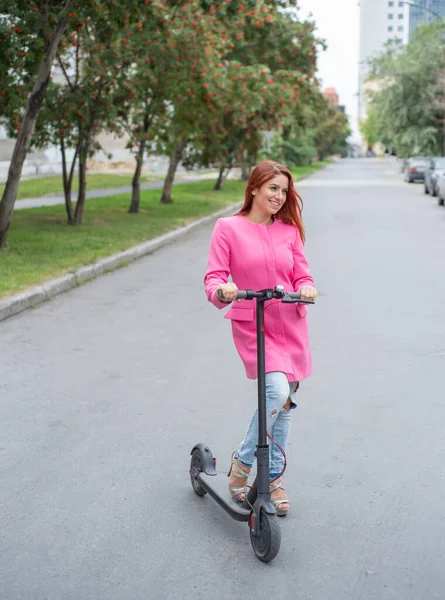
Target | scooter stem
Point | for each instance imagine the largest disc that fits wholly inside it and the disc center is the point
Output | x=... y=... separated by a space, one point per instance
x=263 y=447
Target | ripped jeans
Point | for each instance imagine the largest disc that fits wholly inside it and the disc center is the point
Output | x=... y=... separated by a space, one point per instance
x=278 y=391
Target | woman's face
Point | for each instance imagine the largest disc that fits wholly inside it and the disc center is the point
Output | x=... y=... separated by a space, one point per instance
x=271 y=196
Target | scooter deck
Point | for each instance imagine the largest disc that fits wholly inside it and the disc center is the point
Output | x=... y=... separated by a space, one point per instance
x=216 y=486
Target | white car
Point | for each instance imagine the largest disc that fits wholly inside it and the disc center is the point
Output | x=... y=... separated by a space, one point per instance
x=440 y=186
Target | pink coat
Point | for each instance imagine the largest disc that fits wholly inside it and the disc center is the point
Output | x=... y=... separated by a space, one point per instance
x=258 y=257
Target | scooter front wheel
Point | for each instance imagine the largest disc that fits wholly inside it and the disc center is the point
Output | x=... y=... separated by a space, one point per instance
x=196 y=465
x=267 y=544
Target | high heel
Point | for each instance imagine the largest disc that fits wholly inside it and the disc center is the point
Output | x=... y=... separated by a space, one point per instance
x=238 y=470
x=277 y=484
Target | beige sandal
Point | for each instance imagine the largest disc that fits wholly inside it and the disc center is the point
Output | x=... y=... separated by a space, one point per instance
x=237 y=469
x=277 y=484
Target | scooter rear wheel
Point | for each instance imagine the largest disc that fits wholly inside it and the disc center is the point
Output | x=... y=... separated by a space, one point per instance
x=267 y=544
x=196 y=464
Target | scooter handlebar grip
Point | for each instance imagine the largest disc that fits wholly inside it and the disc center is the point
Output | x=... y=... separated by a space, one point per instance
x=294 y=295
x=242 y=294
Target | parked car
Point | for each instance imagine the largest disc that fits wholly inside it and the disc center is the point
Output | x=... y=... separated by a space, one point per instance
x=415 y=168
x=435 y=170
x=440 y=186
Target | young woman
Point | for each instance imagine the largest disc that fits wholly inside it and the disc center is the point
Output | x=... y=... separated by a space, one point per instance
x=262 y=247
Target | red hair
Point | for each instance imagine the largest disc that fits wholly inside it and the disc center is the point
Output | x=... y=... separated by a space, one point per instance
x=291 y=211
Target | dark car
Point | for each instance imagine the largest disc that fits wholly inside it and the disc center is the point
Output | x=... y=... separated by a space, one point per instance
x=432 y=175
x=415 y=168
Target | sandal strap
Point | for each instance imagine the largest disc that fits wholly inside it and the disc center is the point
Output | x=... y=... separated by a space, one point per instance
x=276 y=485
x=236 y=470
x=237 y=490
x=279 y=501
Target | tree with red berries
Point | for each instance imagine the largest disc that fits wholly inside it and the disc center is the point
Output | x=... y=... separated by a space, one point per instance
x=31 y=33
x=269 y=78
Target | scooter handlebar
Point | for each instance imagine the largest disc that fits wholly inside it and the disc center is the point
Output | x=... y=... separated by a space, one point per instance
x=286 y=297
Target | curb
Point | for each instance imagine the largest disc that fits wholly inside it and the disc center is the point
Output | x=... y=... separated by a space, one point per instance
x=36 y=295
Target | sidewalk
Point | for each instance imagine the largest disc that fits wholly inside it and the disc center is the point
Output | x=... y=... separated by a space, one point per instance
x=54 y=199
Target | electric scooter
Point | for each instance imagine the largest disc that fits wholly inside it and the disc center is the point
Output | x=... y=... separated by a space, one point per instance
x=257 y=508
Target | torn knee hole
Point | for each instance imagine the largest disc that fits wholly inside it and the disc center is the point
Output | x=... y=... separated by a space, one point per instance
x=274 y=412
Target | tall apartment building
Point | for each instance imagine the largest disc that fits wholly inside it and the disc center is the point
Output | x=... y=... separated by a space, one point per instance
x=393 y=22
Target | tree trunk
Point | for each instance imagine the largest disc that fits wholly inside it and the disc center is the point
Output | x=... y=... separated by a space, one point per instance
x=175 y=159
x=221 y=178
x=136 y=183
x=68 y=179
x=245 y=171
x=27 y=128
x=81 y=194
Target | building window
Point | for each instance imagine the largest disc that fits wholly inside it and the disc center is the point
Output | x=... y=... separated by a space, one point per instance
x=390 y=28
x=401 y=4
x=390 y=16
x=398 y=41
x=390 y=3
x=401 y=16
x=400 y=28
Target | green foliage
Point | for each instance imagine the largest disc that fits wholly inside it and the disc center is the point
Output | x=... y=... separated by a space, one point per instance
x=370 y=128
x=269 y=76
x=216 y=74
x=297 y=150
x=321 y=130
x=331 y=132
x=409 y=107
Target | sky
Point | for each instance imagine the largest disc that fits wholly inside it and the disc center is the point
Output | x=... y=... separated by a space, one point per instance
x=338 y=23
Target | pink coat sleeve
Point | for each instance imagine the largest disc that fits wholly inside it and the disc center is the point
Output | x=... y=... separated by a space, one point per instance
x=218 y=266
x=301 y=274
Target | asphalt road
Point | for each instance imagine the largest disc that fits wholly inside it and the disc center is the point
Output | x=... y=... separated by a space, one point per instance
x=104 y=390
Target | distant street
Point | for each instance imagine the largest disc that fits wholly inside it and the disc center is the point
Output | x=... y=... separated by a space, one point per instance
x=105 y=390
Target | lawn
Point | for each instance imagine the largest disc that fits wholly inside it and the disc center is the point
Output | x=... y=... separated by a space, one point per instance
x=42 y=246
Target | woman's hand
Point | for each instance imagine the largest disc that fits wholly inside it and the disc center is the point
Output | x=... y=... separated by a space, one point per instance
x=307 y=292
x=229 y=290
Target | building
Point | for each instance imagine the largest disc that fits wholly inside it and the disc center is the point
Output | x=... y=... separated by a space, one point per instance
x=424 y=11
x=388 y=22
x=331 y=96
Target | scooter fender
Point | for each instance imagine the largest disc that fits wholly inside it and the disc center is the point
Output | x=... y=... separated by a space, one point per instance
x=208 y=462
x=268 y=508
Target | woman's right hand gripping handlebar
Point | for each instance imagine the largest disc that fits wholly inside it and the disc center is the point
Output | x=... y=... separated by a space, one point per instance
x=227 y=292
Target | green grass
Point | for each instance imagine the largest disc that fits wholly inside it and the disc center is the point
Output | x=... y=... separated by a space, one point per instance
x=41 y=186
x=42 y=246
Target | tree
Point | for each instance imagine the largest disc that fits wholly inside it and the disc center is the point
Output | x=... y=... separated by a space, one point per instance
x=409 y=104
x=93 y=75
x=167 y=87
x=33 y=30
x=370 y=128
x=331 y=130
x=36 y=26
x=268 y=77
